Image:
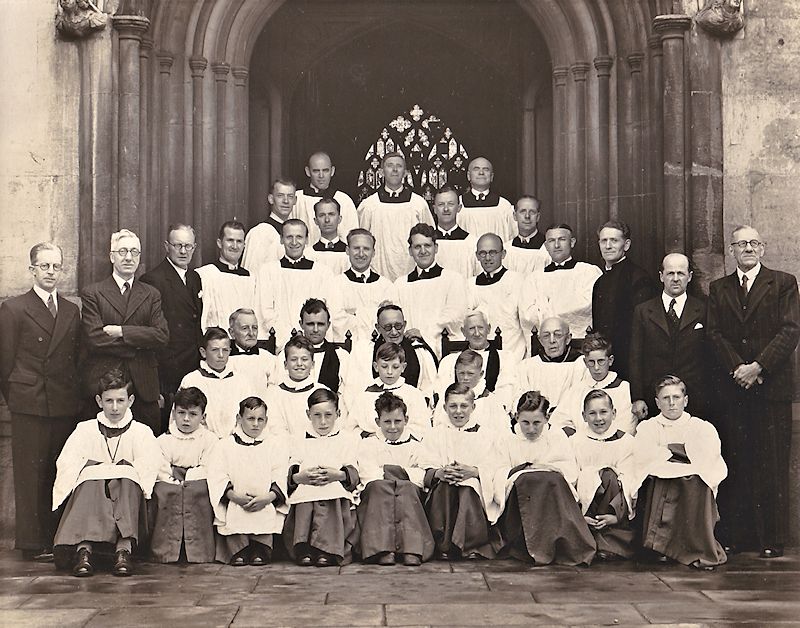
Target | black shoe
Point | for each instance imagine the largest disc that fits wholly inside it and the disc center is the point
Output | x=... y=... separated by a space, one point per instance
x=83 y=564
x=325 y=560
x=240 y=558
x=44 y=556
x=730 y=550
x=702 y=567
x=771 y=552
x=260 y=556
x=305 y=560
x=123 y=565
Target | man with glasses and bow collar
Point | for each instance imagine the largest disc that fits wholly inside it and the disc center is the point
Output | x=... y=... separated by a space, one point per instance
x=320 y=170
x=754 y=327
x=432 y=298
x=124 y=327
x=39 y=342
x=501 y=293
x=456 y=246
x=389 y=213
x=182 y=305
x=485 y=211
x=526 y=252
x=329 y=249
x=564 y=288
x=285 y=285
x=263 y=242
x=249 y=355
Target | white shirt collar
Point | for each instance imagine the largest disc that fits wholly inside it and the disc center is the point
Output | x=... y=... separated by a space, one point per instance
x=422 y=270
x=44 y=295
x=527 y=239
x=680 y=302
x=569 y=259
x=448 y=231
x=228 y=264
x=751 y=274
x=476 y=194
x=615 y=263
x=119 y=280
x=181 y=271
x=360 y=274
x=393 y=192
x=326 y=242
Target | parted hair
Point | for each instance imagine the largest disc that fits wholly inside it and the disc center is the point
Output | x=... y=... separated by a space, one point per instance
x=531 y=197
x=596 y=342
x=669 y=380
x=359 y=231
x=422 y=229
x=458 y=389
x=214 y=333
x=597 y=394
x=533 y=401
x=237 y=313
x=445 y=189
x=44 y=246
x=298 y=341
x=114 y=380
x=389 y=351
x=327 y=200
x=314 y=306
x=322 y=395
x=389 y=402
x=468 y=356
x=559 y=225
x=619 y=226
x=235 y=225
x=191 y=397
x=388 y=156
x=293 y=222
x=251 y=403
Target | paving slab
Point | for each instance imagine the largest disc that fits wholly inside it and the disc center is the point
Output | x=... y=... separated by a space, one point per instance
x=397 y=595
x=502 y=566
x=108 y=600
x=11 y=601
x=303 y=615
x=759 y=595
x=516 y=614
x=546 y=581
x=368 y=584
x=435 y=566
x=751 y=562
x=14 y=585
x=584 y=595
x=716 y=580
x=185 y=617
x=155 y=585
x=35 y=618
x=755 y=612
x=289 y=596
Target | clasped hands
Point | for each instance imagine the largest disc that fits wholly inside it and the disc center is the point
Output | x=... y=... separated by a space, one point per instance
x=456 y=472
x=319 y=476
x=748 y=375
x=249 y=502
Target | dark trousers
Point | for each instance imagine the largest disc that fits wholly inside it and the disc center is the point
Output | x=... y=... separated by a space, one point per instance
x=35 y=444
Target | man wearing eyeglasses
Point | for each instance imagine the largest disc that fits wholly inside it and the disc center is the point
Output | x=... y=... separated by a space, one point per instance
x=124 y=326
x=182 y=305
x=39 y=336
x=754 y=326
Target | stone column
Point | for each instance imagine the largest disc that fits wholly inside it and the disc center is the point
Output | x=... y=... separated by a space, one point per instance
x=221 y=183
x=656 y=154
x=198 y=66
x=603 y=208
x=165 y=137
x=637 y=117
x=276 y=133
x=149 y=223
x=240 y=161
x=671 y=28
x=577 y=170
x=130 y=29
x=560 y=126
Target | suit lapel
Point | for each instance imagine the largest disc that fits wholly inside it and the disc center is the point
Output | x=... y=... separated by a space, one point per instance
x=110 y=290
x=138 y=295
x=761 y=287
x=731 y=292
x=657 y=316
x=692 y=310
x=63 y=321
x=181 y=290
x=38 y=311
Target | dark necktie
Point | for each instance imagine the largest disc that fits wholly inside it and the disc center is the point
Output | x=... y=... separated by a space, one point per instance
x=481 y=196
x=745 y=287
x=126 y=289
x=423 y=274
x=395 y=194
x=672 y=315
x=329 y=246
x=362 y=278
x=51 y=305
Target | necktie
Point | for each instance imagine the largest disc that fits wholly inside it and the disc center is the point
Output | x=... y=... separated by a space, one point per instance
x=745 y=288
x=362 y=278
x=481 y=197
x=395 y=194
x=51 y=305
x=672 y=315
x=126 y=288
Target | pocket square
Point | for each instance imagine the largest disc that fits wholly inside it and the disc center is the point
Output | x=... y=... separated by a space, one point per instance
x=698 y=326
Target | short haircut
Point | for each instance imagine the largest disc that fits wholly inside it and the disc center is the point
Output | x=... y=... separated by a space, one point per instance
x=596 y=342
x=44 y=246
x=689 y=259
x=322 y=395
x=328 y=200
x=390 y=351
x=618 y=225
x=230 y=224
x=422 y=229
x=298 y=341
x=213 y=333
x=191 y=397
x=388 y=307
x=389 y=402
x=669 y=380
x=737 y=229
x=458 y=389
x=240 y=312
x=122 y=233
x=114 y=380
x=530 y=197
x=559 y=225
x=293 y=222
x=388 y=156
x=251 y=403
x=360 y=232
x=477 y=312
x=282 y=181
x=597 y=394
x=469 y=357
x=446 y=189
x=180 y=226
x=314 y=306
x=533 y=401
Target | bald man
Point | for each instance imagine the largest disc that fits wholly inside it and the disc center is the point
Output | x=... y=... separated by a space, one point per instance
x=485 y=211
x=663 y=343
x=320 y=171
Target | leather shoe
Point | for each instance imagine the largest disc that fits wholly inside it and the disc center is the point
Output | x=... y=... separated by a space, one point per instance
x=387 y=558
x=412 y=560
x=45 y=556
x=473 y=556
x=83 y=564
x=730 y=550
x=260 y=557
x=305 y=561
x=123 y=565
x=702 y=567
x=444 y=556
x=771 y=552
x=325 y=560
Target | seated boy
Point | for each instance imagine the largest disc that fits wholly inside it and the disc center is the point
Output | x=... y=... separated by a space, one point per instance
x=489 y=412
x=287 y=399
x=223 y=386
x=390 y=362
x=322 y=485
x=535 y=491
x=457 y=458
x=246 y=475
x=679 y=456
x=182 y=515
x=598 y=357
x=107 y=469
x=391 y=518
x=605 y=473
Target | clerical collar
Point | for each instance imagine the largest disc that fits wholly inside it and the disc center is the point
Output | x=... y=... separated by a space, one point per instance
x=379 y=386
x=398 y=191
x=751 y=274
x=477 y=194
x=680 y=302
x=121 y=425
x=621 y=259
x=44 y=295
x=207 y=371
x=181 y=271
x=119 y=281
x=313 y=190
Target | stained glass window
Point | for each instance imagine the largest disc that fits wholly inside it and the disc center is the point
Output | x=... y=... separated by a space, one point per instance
x=433 y=155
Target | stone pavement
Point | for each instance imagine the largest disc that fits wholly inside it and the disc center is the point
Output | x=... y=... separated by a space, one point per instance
x=747 y=590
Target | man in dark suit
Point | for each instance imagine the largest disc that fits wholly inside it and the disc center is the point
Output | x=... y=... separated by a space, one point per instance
x=182 y=305
x=669 y=338
x=622 y=286
x=754 y=326
x=123 y=326
x=39 y=335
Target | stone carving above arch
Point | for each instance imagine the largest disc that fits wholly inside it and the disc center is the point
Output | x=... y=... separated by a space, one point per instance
x=76 y=19
x=721 y=18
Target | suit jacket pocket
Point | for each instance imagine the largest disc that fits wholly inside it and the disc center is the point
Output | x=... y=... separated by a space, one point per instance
x=20 y=377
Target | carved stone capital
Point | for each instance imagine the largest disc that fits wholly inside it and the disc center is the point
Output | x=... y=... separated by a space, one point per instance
x=220 y=70
x=671 y=26
x=603 y=65
x=198 y=66
x=147 y=43
x=165 y=61
x=560 y=75
x=130 y=26
x=721 y=18
x=635 y=61
x=76 y=19
x=579 y=70
x=240 y=74
x=654 y=43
